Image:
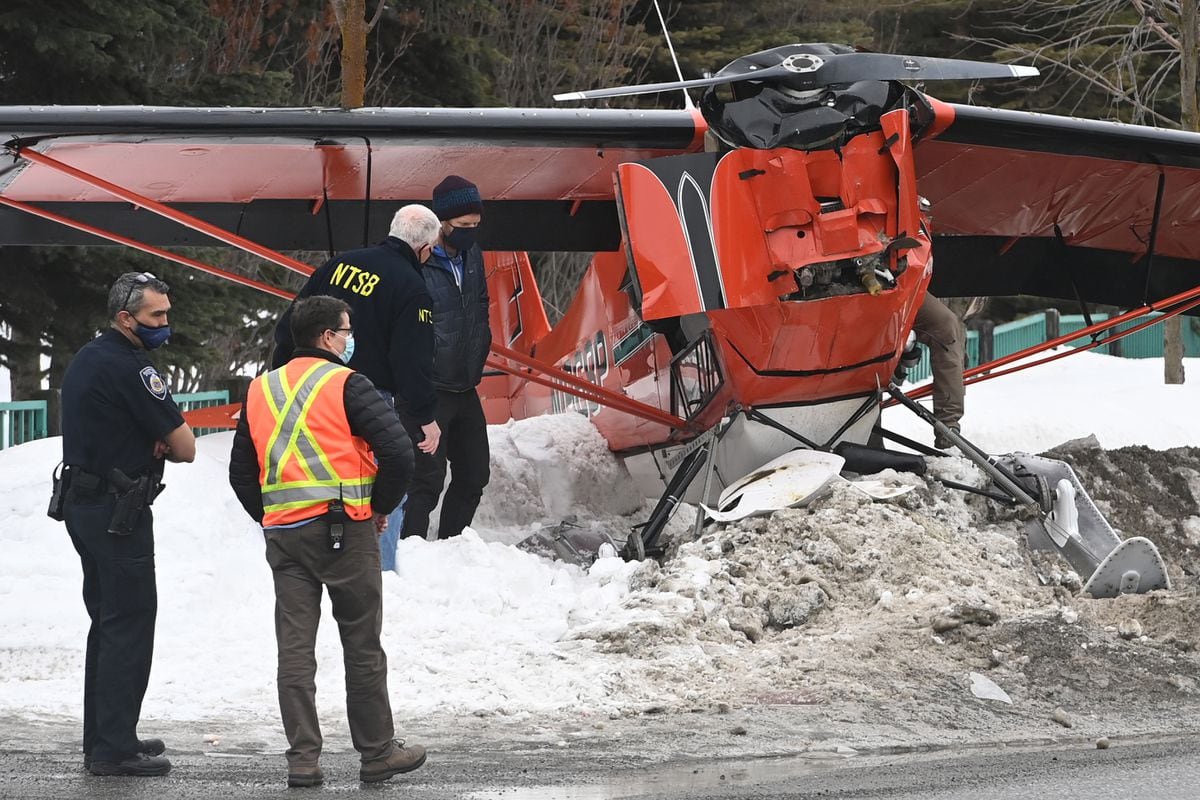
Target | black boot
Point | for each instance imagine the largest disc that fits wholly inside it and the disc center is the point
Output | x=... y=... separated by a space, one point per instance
x=150 y=747
x=139 y=766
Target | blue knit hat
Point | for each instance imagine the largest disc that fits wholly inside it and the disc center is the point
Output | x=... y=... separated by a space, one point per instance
x=456 y=197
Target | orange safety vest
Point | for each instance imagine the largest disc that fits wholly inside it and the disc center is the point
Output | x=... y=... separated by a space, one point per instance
x=307 y=455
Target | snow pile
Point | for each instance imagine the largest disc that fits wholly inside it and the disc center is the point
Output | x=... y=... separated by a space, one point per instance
x=829 y=602
x=892 y=604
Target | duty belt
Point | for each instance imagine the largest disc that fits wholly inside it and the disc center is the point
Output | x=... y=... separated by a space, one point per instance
x=90 y=481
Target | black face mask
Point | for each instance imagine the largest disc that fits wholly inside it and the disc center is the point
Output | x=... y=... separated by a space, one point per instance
x=461 y=239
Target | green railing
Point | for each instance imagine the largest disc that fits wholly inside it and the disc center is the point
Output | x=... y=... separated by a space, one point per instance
x=22 y=421
x=1014 y=336
x=1019 y=334
x=194 y=400
x=1146 y=343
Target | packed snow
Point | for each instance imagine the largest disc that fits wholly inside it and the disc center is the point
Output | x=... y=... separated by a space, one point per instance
x=810 y=605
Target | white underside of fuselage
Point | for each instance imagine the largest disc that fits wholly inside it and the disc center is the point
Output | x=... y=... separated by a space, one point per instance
x=744 y=445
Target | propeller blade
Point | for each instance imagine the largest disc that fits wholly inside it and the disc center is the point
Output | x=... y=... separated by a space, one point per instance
x=672 y=86
x=804 y=71
x=853 y=67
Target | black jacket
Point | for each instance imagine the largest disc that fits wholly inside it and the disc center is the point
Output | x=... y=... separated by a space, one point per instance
x=371 y=419
x=392 y=316
x=460 y=321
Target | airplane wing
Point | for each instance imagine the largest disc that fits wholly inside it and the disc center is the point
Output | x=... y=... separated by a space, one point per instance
x=309 y=178
x=1023 y=203
x=1027 y=203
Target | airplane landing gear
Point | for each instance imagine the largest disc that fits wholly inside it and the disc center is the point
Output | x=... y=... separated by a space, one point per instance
x=1065 y=519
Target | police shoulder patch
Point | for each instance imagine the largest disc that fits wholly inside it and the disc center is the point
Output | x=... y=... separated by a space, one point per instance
x=154 y=383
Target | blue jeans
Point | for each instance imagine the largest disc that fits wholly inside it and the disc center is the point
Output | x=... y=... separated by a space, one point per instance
x=391 y=535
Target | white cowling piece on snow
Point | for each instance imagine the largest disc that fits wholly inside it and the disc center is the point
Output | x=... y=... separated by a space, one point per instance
x=792 y=480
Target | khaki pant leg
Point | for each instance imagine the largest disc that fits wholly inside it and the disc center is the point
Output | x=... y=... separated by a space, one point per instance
x=356 y=594
x=940 y=329
x=297 y=615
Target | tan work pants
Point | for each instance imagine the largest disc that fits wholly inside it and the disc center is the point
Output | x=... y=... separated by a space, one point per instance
x=302 y=563
x=940 y=330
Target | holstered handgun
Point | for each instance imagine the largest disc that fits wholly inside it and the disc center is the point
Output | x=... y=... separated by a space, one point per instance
x=133 y=497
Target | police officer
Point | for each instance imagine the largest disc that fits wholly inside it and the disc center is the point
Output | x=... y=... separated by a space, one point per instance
x=320 y=459
x=119 y=423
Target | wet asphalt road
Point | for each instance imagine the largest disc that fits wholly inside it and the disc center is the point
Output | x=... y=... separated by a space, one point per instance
x=1129 y=770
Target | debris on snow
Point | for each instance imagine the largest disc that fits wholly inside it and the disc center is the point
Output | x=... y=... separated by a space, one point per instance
x=986 y=689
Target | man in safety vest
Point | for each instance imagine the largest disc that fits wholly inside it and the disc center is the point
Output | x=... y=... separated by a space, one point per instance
x=320 y=459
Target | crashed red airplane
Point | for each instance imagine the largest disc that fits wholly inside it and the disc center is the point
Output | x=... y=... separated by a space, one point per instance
x=759 y=262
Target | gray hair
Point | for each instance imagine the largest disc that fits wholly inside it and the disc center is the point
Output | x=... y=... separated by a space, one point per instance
x=416 y=226
x=128 y=293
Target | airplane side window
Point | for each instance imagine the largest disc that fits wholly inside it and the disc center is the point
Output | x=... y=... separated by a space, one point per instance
x=695 y=377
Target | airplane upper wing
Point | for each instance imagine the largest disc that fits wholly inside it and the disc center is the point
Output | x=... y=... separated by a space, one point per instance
x=1027 y=203
x=1023 y=203
x=310 y=178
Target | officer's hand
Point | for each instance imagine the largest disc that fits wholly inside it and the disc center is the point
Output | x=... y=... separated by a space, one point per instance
x=161 y=449
x=380 y=521
x=433 y=435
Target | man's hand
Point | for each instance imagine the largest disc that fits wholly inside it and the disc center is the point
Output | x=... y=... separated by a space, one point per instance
x=161 y=450
x=433 y=435
x=380 y=521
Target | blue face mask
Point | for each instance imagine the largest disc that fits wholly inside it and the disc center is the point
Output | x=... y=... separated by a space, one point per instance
x=153 y=338
x=348 y=353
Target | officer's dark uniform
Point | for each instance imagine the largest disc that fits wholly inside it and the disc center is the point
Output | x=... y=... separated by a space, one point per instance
x=115 y=406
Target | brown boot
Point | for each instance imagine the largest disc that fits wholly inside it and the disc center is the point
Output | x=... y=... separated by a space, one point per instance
x=300 y=775
x=943 y=442
x=401 y=759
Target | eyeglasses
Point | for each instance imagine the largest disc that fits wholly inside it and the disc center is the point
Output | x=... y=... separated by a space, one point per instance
x=139 y=279
x=347 y=331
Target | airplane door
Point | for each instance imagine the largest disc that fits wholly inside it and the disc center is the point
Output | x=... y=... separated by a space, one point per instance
x=666 y=220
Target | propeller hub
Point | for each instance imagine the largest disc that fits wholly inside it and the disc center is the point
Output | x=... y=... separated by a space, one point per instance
x=801 y=63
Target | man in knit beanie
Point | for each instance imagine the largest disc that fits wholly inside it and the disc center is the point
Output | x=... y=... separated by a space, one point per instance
x=456 y=281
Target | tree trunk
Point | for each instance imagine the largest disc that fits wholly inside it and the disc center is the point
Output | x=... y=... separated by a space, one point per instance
x=354 y=51
x=25 y=370
x=1190 y=119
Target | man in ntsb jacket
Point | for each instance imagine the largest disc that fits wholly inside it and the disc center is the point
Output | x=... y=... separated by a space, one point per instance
x=320 y=459
x=393 y=317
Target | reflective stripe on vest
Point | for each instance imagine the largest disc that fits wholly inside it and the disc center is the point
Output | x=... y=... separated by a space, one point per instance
x=307 y=455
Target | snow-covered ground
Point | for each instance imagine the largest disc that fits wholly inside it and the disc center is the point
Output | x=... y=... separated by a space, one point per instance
x=1121 y=400
x=474 y=626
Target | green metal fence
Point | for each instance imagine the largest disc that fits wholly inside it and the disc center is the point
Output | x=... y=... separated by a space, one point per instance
x=22 y=421
x=1028 y=331
x=194 y=400
x=1146 y=343
x=1018 y=334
